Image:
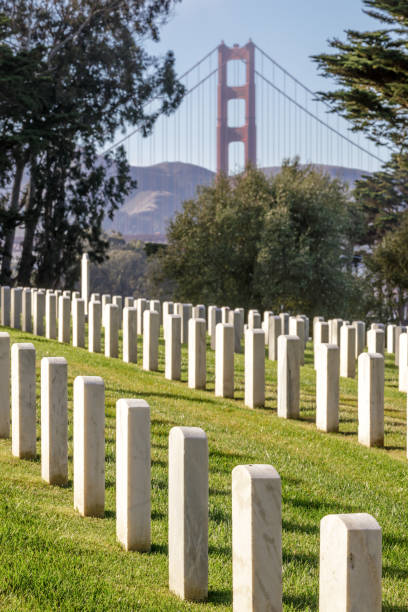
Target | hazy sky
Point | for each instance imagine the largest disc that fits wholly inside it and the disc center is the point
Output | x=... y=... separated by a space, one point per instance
x=289 y=30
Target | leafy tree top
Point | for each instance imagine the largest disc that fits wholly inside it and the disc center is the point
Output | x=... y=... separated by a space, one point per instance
x=371 y=70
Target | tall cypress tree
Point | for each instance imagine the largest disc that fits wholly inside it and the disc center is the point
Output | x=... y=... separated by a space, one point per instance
x=98 y=79
x=371 y=70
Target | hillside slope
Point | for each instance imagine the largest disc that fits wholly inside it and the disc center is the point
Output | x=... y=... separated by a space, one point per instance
x=163 y=188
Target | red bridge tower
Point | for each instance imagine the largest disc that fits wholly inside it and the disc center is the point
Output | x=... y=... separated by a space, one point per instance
x=247 y=132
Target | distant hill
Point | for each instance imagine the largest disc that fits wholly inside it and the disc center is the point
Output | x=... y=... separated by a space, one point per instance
x=163 y=188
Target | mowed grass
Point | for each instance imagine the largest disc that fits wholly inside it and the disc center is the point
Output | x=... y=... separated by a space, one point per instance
x=51 y=558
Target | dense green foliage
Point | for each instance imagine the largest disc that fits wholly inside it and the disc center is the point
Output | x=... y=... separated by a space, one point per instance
x=382 y=198
x=130 y=270
x=80 y=73
x=371 y=69
x=51 y=558
x=279 y=242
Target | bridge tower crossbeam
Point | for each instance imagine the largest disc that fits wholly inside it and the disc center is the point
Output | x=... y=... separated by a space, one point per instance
x=247 y=132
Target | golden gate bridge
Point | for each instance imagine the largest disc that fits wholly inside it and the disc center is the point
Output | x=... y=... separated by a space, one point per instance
x=242 y=106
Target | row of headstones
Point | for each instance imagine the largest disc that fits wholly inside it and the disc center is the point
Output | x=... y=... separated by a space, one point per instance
x=392 y=339
x=330 y=361
x=256 y=493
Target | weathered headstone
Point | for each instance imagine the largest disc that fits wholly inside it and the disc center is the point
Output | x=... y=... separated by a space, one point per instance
x=26 y=321
x=16 y=307
x=350 y=563
x=39 y=313
x=151 y=324
x=327 y=387
x=376 y=340
x=78 y=323
x=54 y=420
x=348 y=351
x=275 y=328
x=51 y=316
x=235 y=321
x=335 y=327
x=254 y=368
x=256 y=538
x=284 y=316
x=225 y=310
x=320 y=336
x=5 y=306
x=4 y=385
x=288 y=376
x=23 y=409
x=106 y=299
x=89 y=445
x=371 y=399
x=130 y=334
x=188 y=513
x=317 y=319
x=254 y=320
x=186 y=314
x=141 y=307
x=172 y=367
x=297 y=328
x=117 y=300
x=94 y=326
x=111 y=317
x=403 y=363
x=391 y=338
x=85 y=280
x=224 y=361
x=133 y=515
x=360 y=336
x=197 y=359
x=400 y=329
x=64 y=319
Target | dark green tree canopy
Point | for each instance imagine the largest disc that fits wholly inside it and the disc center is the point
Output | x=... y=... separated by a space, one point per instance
x=279 y=242
x=81 y=72
x=371 y=69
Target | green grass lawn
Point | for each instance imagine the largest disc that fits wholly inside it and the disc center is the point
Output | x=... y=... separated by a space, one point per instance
x=51 y=558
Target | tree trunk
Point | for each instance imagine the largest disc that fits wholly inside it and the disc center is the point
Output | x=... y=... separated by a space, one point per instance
x=31 y=216
x=5 y=275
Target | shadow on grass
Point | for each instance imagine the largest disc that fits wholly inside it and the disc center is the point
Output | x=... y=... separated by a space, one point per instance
x=300 y=558
x=220 y=597
x=317 y=505
x=176 y=395
x=159 y=484
x=157 y=516
x=155 y=445
x=393 y=540
x=214 y=453
x=395 y=572
x=219 y=516
x=223 y=551
x=299 y=602
x=295 y=527
x=161 y=549
x=218 y=492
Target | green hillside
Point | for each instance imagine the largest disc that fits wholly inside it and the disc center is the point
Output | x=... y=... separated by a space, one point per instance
x=51 y=558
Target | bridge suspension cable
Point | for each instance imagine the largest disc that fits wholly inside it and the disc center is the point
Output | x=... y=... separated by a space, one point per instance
x=290 y=122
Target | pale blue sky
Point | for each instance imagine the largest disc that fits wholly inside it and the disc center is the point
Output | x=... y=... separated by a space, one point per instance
x=290 y=31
